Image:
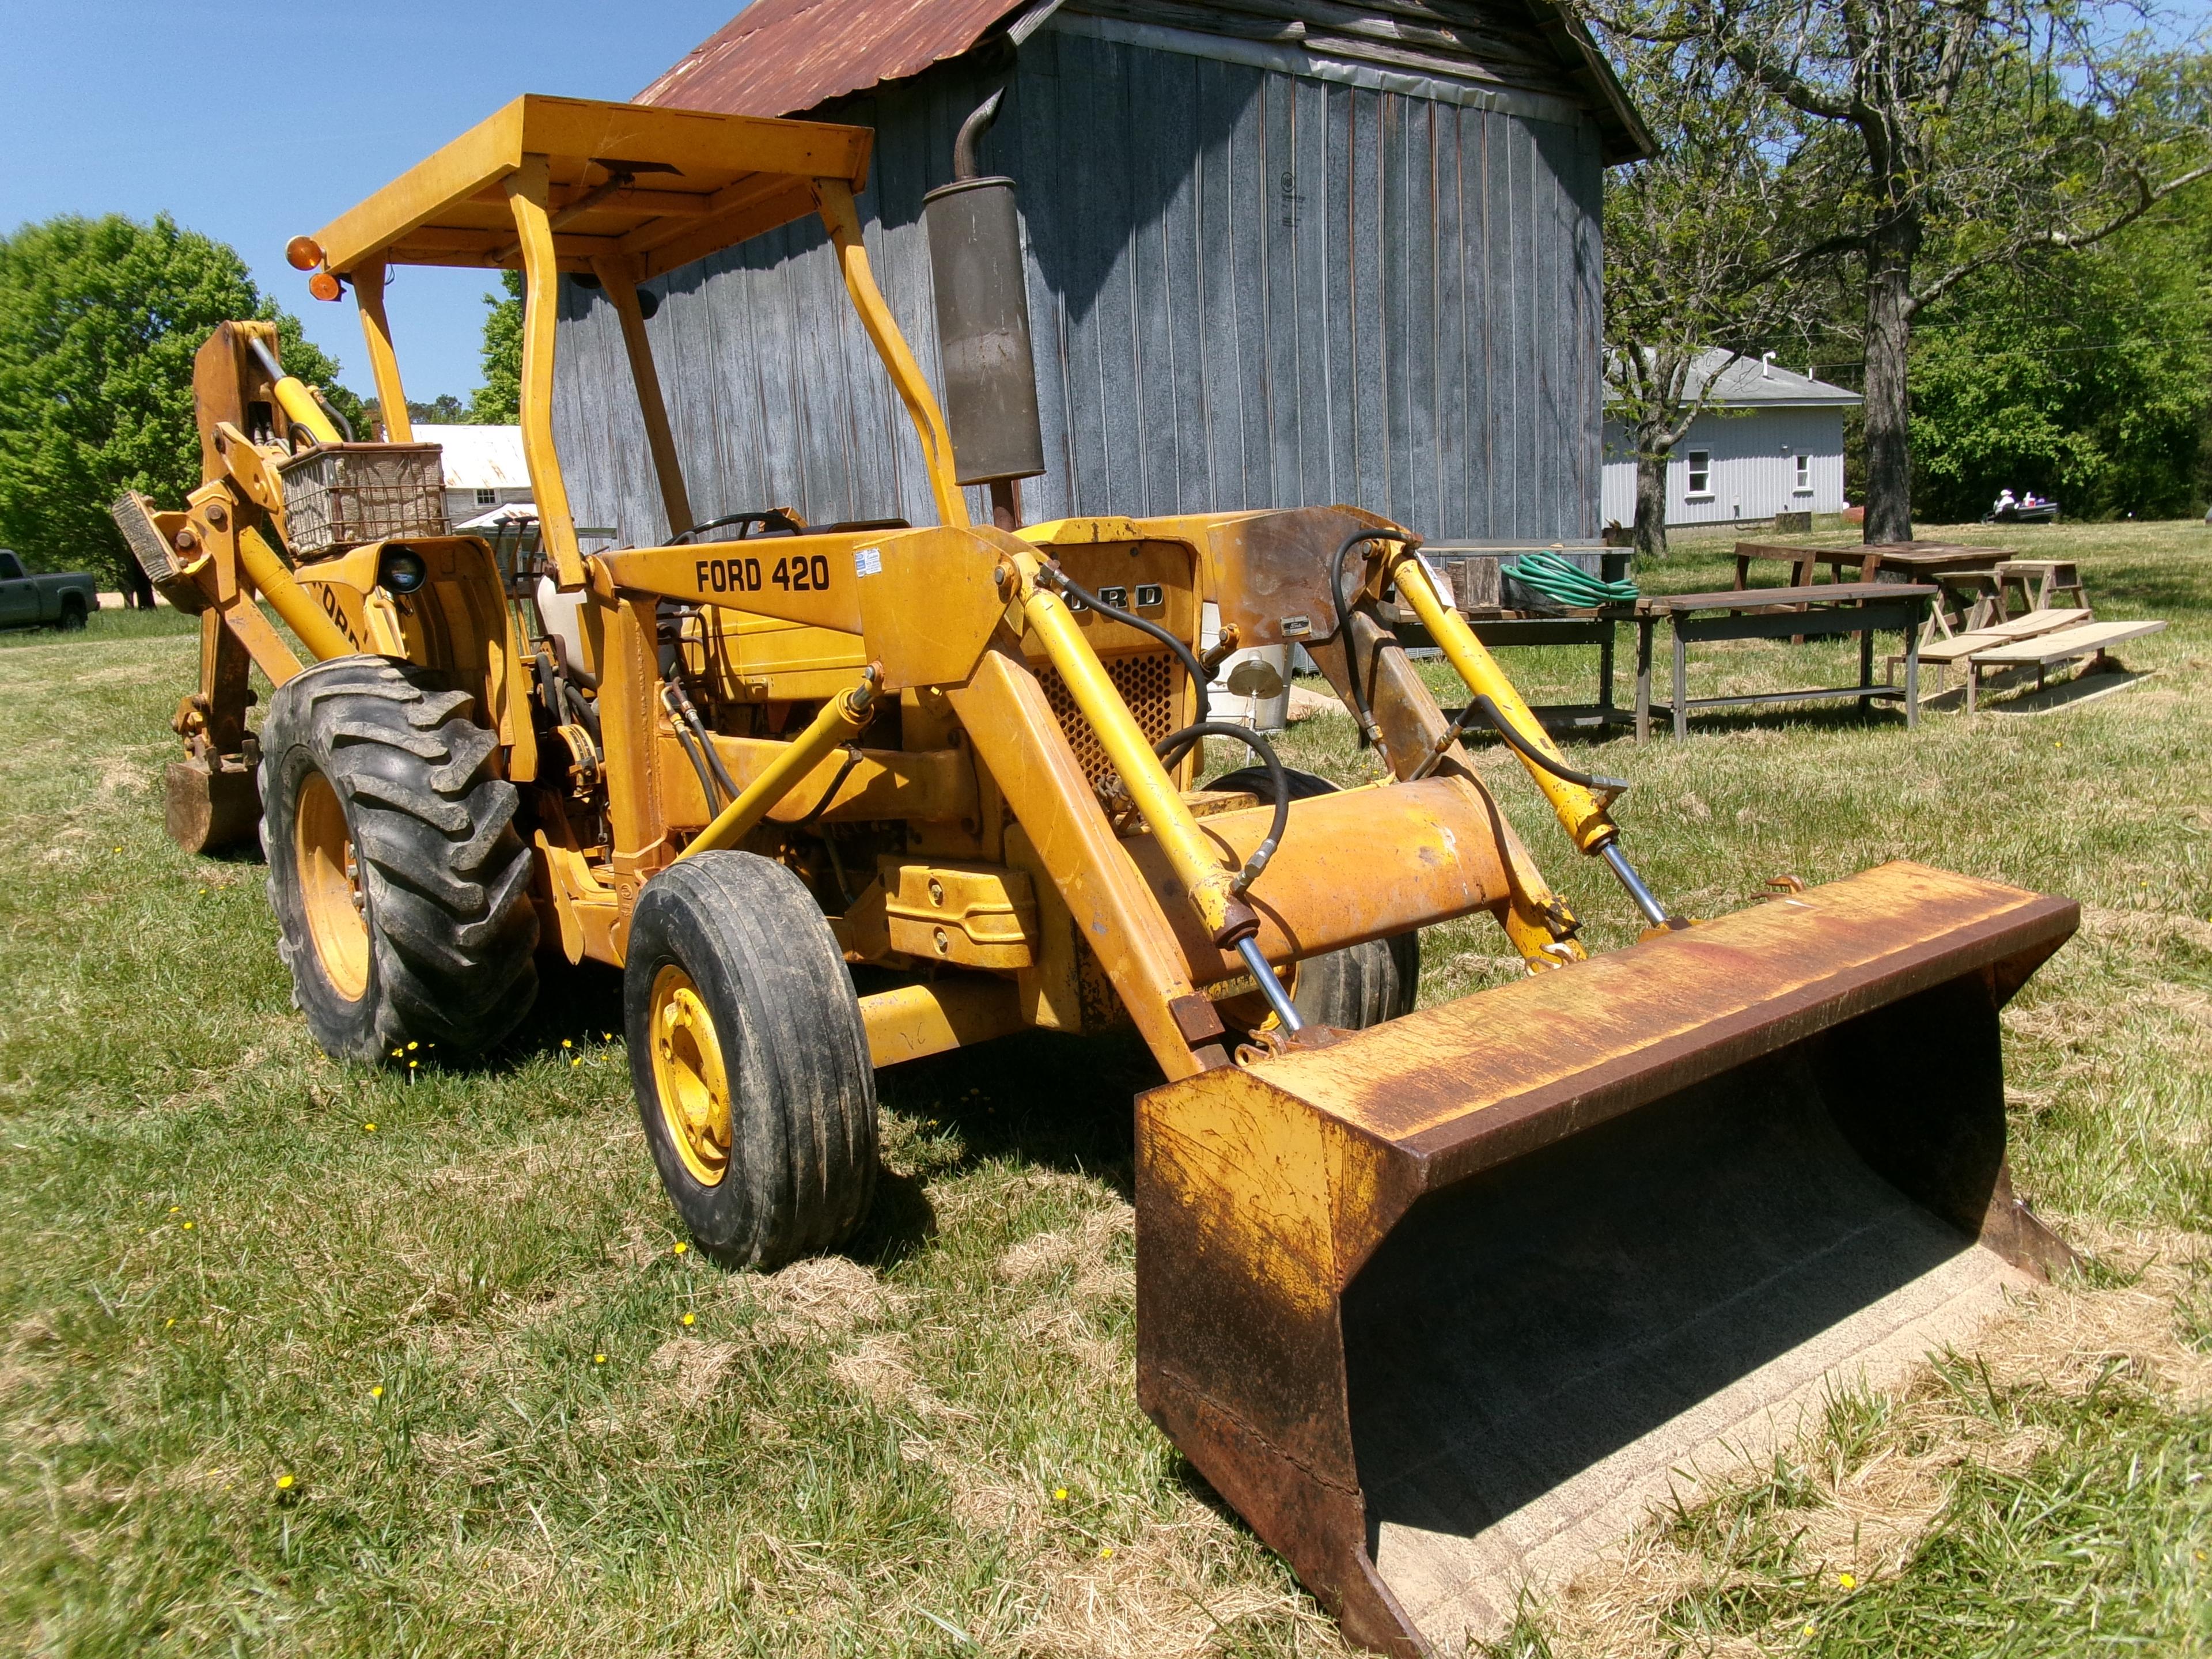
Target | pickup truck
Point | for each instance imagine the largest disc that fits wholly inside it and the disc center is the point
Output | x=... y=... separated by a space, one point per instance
x=62 y=600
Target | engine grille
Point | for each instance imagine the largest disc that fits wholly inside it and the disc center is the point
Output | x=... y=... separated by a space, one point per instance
x=1148 y=683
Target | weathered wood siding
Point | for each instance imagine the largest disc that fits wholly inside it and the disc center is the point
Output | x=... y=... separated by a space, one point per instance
x=1248 y=287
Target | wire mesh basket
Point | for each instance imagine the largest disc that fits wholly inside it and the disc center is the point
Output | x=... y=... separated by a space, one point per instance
x=339 y=495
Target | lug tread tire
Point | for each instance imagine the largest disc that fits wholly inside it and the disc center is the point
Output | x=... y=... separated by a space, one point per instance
x=1360 y=985
x=758 y=949
x=453 y=930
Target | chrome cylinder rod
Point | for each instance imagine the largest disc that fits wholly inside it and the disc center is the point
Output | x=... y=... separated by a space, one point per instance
x=1270 y=986
x=1653 y=912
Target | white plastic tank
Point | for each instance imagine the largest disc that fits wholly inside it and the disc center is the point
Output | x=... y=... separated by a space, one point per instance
x=1253 y=687
x=564 y=618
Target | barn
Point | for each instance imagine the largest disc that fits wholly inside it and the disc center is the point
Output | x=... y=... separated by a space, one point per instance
x=1279 y=253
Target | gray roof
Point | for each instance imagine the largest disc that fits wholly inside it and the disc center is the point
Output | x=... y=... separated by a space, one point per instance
x=1749 y=383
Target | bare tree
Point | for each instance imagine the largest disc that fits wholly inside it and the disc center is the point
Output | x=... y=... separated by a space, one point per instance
x=1695 y=261
x=1959 y=133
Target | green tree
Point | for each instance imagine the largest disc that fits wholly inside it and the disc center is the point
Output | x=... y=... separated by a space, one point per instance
x=99 y=320
x=498 y=401
x=1959 y=136
x=1694 y=235
x=2087 y=379
x=444 y=409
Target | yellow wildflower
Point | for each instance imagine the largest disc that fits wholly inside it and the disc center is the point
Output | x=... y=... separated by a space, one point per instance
x=598 y=1359
x=1105 y=1551
x=368 y=1128
x=284 y=1483
x=1848 y=1580
x=1060 y=1494
x=681 y=1247
x=691 y=1319
x=377 y=1393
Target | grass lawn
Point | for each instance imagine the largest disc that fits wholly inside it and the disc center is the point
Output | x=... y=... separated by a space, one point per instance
x=297 y=1357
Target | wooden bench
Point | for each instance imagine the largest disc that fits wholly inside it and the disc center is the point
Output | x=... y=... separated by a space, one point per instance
x=1959 y=648
x=2043 y=651
x=2051 y=579
x=1818 y=611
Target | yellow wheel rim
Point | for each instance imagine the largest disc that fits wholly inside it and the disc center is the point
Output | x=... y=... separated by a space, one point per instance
x=330 y=888
x=689 y=1077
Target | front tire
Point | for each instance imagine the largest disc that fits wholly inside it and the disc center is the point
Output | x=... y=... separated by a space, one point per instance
x=1360 y=985
x=749 y=1059
x=401 y=889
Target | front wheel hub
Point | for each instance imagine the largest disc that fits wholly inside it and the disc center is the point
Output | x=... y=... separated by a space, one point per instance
x=690 y=1078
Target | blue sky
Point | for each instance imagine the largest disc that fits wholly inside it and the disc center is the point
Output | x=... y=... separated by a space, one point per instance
x=252 y=124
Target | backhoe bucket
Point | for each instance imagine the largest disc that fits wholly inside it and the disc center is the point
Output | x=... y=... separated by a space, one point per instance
x=1442 y=1307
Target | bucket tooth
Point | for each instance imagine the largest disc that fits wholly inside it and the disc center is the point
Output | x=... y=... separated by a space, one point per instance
x=1441 y=1309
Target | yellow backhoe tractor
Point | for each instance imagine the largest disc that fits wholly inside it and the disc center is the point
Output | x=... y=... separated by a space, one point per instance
x=1435 y=1299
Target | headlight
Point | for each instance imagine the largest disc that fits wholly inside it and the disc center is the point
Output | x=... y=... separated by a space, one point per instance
x=402 y=570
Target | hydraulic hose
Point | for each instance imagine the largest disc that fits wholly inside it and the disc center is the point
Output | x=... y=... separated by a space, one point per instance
x=1171 y=749
x=706 y=781
x=680 y=704
x=1369 y=732
x=344 y=426
x=1535 y=757
x=1054 y=577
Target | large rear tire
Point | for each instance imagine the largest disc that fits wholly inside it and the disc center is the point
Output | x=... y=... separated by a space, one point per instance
x=750 y=1060
x=401 y=889
x=1361 y=985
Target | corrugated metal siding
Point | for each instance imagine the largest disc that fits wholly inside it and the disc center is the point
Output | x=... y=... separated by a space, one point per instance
x=1753 y=467
x=1248 y=288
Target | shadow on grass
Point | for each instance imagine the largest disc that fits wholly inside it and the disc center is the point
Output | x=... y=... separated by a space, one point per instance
x=577 y=1002
x=1060 y=1102
x=1063 y=1102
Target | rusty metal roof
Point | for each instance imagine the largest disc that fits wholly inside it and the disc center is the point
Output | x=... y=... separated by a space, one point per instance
x=778 y=57
x=783 y=56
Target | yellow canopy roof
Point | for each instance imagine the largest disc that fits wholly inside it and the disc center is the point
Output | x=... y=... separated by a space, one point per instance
x=664 y=187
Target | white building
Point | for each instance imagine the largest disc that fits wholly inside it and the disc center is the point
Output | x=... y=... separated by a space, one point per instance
x=483 y=466
x=1771 y=441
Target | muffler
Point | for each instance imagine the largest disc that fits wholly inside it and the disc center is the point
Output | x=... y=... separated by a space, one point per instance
x=1439 y=1307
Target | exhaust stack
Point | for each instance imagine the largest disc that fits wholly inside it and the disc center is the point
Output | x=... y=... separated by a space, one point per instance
x=983 y=324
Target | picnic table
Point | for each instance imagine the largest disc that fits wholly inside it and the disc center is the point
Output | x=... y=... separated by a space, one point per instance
x=1894 y=561
x=1823 y=609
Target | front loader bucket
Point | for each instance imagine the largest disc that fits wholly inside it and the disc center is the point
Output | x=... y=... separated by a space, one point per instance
x=1440 y=1308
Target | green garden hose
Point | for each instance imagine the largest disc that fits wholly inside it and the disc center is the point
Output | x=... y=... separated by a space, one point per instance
x=1556 y=578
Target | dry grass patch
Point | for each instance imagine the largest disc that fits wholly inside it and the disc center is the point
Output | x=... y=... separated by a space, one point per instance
x=1745 y=1561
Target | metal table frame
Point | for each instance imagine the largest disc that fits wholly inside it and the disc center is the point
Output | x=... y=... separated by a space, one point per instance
x=1586 y=627
x=1831 y=609
x=1598 y=630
